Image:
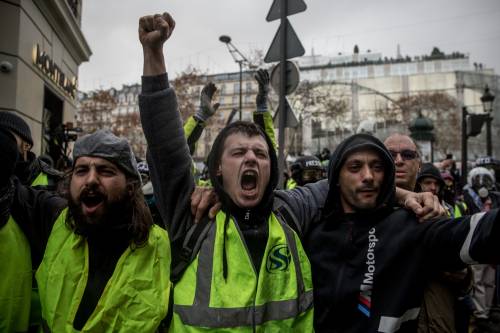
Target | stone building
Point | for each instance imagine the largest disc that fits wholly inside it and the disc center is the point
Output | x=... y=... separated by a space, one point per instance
x=41 y=47
x=341 y=95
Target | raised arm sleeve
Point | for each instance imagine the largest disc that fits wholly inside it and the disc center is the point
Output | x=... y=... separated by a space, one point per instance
x=168 y=155
x=193 y=129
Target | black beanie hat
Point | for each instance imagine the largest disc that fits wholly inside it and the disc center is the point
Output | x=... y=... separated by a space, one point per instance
x=16 y=124
x=429 y=170
x=8 y=155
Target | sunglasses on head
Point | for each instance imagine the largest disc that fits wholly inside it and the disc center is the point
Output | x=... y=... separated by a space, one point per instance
x=406 y=155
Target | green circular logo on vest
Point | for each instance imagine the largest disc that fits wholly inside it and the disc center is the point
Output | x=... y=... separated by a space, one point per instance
x=278 y=259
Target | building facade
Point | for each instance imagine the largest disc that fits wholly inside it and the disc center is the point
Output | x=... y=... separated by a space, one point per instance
x=344 y=94
x=41 y=47
x=387 y=94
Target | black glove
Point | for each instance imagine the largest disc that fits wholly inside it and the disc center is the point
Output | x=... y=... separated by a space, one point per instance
x=206 y=109
x=263 y=79
x=8 y=155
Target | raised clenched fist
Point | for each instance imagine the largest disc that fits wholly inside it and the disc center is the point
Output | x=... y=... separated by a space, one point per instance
x=154 y=30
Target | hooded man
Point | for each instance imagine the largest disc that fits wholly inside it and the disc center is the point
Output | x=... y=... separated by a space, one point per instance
x=372 y=261
x=101 y=263
x=251 y=272
x=30 y=170
x=429 y=180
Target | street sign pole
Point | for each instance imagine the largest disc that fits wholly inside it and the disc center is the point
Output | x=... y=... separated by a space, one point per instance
x=280 y=50
x=282 y=107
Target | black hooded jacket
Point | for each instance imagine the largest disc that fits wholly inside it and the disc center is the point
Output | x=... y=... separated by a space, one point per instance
x=370 y=267
x=171 y=174
x=428 y=170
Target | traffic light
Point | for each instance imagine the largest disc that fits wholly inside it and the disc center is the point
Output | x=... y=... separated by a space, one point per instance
x=475 y=123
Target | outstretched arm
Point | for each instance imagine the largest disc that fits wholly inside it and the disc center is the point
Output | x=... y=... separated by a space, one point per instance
x=168 y=153
x=195 y=124
x=262 y=116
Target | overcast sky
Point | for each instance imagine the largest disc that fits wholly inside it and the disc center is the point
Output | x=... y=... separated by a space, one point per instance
x=327 y=26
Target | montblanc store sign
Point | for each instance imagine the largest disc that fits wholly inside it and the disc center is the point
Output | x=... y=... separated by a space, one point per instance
x=42 y=60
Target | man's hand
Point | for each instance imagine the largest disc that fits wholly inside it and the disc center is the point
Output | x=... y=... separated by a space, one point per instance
x=425 y=205
x=207 y=110
x=202 y=199
x=154 y=30
x=262 y=78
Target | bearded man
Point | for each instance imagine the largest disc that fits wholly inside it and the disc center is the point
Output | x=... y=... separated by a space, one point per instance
x=102 y=265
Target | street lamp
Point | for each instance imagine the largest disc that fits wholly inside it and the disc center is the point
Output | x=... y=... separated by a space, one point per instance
x=422 y=131
x=239 y=58
x=487 y=100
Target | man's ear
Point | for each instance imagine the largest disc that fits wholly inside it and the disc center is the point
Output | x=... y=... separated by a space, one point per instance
x=130 y=189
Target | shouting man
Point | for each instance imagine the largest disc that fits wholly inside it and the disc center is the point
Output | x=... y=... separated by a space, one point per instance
x=102 y=264
x=251 y=271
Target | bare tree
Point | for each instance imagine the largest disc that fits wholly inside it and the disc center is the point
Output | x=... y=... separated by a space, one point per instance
x=441 y=109
x=322 y=102
x=94 y=111
x=187 y=87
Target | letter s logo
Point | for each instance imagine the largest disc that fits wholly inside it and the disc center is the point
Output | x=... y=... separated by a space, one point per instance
x=278 y=259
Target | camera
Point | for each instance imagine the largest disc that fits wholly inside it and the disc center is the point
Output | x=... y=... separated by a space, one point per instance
x=6 y=67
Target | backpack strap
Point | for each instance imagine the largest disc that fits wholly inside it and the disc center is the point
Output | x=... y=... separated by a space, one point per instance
x=190 y=248
x=181 y=261
x=281 y=210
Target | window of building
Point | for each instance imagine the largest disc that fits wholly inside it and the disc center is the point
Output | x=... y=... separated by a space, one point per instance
x=378 y=71
x=362 y=72
x=236 y=87
x=429 y=67
x=396 y=69
x=412 y=68
x=248 y=99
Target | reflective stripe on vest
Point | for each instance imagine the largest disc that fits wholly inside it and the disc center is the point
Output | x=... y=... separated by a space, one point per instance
x=459 y=208
x=281 y=298
x=41 y=180
x=15 y=281
x=291 y=184
x=135 y=298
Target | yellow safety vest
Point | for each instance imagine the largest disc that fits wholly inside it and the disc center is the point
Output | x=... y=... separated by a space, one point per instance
x=291 y=184
x=15 y=280
x=41 y=180
x=135 y=298
x=458 y=211
x=278 y=299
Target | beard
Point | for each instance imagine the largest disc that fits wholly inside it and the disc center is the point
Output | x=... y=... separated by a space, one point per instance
x=116 y=217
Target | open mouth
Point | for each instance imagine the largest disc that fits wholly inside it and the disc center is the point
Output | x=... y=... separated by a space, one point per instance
x=249 y=180
x=92 y=201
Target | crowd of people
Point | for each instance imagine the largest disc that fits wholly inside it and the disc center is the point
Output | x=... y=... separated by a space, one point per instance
x=370 y=241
